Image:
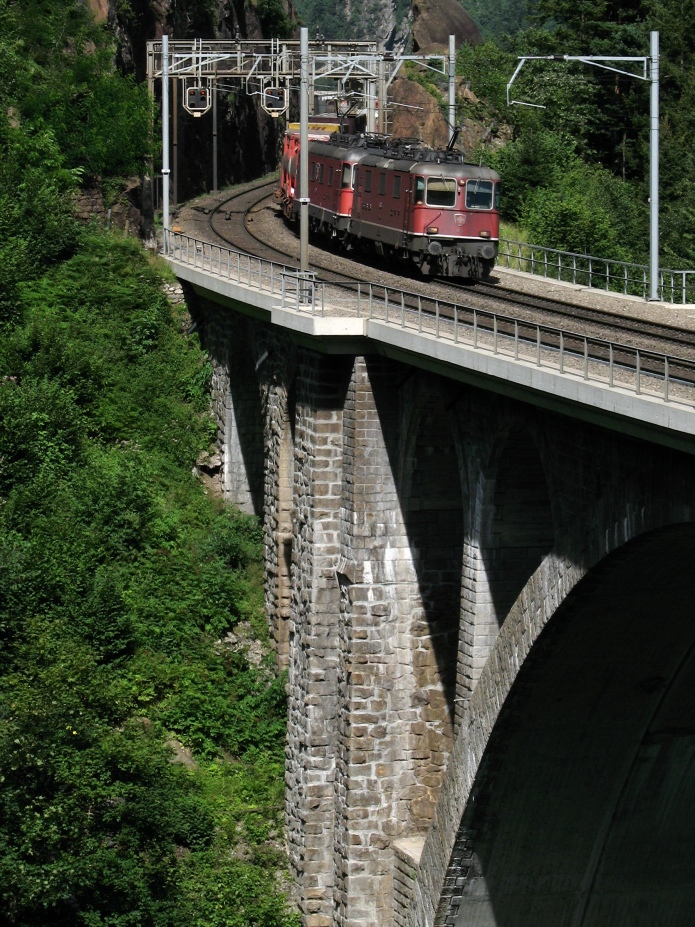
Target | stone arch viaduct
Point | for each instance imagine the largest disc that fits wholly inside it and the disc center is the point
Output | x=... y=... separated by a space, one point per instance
x=486 y=608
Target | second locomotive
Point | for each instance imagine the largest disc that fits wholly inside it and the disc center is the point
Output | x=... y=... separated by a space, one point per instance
x=411 y=204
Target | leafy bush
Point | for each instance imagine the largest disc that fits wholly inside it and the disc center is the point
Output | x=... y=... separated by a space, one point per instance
x=588 y=211
x=117 y=577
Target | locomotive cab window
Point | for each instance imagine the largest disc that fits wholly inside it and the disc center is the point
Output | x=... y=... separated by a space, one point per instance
x=479 y=194
x=441 y=192
x=419 y=192
x=367 y=181
x=346 y=182
x=314 y=171
x=382 y=184
x=397 y=187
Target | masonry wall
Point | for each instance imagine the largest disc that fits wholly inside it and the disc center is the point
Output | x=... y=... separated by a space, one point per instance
x=419 y=534
x=314 y=653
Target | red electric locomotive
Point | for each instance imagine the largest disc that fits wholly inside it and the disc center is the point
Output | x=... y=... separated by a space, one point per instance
x=417 y=205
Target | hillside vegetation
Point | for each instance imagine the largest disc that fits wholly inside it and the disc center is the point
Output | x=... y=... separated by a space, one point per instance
x=141 y=755
x=576 y=174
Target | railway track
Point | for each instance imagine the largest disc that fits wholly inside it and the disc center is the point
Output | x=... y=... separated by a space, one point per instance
x=236 y=221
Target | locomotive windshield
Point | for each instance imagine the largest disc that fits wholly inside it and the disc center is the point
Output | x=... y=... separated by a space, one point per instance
x=479 y=194
x=441 y=192
x=347 y=176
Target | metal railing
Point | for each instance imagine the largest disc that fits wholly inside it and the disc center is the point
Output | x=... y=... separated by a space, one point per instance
x=294 y=289
x=611 y=364
x=675 y=286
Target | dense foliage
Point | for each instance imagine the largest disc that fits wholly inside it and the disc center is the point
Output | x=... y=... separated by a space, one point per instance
x=577 y=172
x=118 y=574
x=501 y=18
x=141 y=755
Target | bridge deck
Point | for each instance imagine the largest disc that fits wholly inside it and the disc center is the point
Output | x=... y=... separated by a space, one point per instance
x=521 y=361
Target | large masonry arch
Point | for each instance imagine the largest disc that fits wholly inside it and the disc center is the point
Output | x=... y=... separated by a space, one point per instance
x=414 y=499
x=583 y=809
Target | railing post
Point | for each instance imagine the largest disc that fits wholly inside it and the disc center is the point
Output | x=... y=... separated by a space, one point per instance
x=637 y=372
x=456 y=325
x=436 y=314
x=538 y=345
x=494 y=334
x=665 y=378
x=586 y=358
x=402 y=309
x=386 y=302
x=475 y=328
x=419 y=313
x=516 y=339
x=562 y=352
x=610 y=364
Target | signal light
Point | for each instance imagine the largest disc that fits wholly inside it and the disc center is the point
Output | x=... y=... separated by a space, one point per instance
x=197 y=100
x=274 y=100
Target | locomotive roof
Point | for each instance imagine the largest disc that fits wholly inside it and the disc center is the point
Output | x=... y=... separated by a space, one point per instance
x=407 y=155
x=433 y=168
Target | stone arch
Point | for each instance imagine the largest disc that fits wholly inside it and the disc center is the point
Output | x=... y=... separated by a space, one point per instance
x=584 y=805
x=433 y=514
x=448 y=848
x=516 y=533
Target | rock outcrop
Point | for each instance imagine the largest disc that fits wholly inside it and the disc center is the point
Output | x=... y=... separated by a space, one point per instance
x=435 y=20
x=416 y=114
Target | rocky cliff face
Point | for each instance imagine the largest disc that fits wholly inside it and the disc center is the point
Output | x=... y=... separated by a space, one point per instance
x=435 y=20
x=248 y=141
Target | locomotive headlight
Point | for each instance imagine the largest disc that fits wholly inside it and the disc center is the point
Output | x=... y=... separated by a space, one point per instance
x=432 y=230
x=484 y=234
